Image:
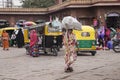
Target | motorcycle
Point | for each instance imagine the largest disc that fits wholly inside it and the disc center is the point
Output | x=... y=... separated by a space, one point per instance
x=116 y=45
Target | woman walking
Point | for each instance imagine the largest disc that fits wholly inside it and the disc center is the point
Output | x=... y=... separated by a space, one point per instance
x=5 y=40
x=20 y=38
x=33 y=40
x=69 y=42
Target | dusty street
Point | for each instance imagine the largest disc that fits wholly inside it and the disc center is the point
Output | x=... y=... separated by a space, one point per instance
x=16 y=65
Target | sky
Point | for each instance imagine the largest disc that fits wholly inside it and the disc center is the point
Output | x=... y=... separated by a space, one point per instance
x=15 y=2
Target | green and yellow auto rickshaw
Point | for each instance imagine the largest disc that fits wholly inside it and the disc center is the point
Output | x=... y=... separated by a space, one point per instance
x=51 y=38
x=10 y=30
x=86 y=39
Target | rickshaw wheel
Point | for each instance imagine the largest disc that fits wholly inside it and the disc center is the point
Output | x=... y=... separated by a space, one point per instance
x=35 y=55
x=45 y=52
x=93 y=53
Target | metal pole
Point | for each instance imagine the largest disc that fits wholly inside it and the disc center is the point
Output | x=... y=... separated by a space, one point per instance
x=3 y=3
x=7 y=3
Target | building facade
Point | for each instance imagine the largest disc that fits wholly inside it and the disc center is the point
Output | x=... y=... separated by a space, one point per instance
x=106 y=11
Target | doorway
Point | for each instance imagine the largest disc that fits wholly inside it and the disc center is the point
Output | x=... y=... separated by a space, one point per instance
x=113 y=20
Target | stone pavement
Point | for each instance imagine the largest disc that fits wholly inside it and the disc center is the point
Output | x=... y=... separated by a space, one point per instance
x=16 y=65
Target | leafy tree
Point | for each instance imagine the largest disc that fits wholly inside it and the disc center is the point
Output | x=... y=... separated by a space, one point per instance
x=37 y=3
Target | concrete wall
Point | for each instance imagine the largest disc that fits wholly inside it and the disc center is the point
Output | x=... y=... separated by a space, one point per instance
x=84 y=15
x=14 y=18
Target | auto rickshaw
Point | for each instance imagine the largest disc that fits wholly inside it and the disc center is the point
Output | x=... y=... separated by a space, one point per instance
x=51 y=38
x=86 y=40
x=10 y=30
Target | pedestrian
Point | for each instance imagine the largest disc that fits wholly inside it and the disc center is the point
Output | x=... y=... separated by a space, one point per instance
x=5 y=40
x=101 y=36
x=13 y=39
x=101 y=40
x=109 y=44
x=107 y=35
x=69 y=42
x=63 y=34
x=95 y=23
x=20 y=38
x=33 y=40
x=101 y=30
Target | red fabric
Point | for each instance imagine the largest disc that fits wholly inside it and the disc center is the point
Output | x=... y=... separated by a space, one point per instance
x=95 y=22
x=33 y=38
x=108 y=32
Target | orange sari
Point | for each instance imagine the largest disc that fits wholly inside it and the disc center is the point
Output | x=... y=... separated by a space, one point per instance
x=5 y=40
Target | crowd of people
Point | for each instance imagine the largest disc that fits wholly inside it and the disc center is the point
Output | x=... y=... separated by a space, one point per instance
x=16 y=39
x=105 y=35
x=104 y=38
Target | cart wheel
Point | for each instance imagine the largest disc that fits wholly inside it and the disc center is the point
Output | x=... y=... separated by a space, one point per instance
x=54 y=50
x=35 y=55
x=116 y=47
x=93 y=53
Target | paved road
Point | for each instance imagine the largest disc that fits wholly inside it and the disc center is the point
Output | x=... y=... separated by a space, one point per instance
x=16 y=65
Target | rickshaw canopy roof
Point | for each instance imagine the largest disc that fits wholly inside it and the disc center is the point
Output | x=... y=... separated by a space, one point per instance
x=9 y=28
x=87 y=33
x=87 y=28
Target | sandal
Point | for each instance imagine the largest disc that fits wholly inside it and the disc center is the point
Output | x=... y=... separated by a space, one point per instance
x=66 y=69
x=69 y=69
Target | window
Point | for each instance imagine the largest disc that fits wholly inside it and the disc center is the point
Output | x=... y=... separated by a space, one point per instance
x=4 y=23
x=85 y=34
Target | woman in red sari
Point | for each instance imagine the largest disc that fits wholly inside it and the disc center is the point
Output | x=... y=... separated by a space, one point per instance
x=5 y=40
x=69 y=42
x=33 y=39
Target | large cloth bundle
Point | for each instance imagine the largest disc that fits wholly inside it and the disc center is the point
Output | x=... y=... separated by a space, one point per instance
x=70 y=22
x=56 y=23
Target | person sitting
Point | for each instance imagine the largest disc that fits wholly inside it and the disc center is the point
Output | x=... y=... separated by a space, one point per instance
x=109 y=44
